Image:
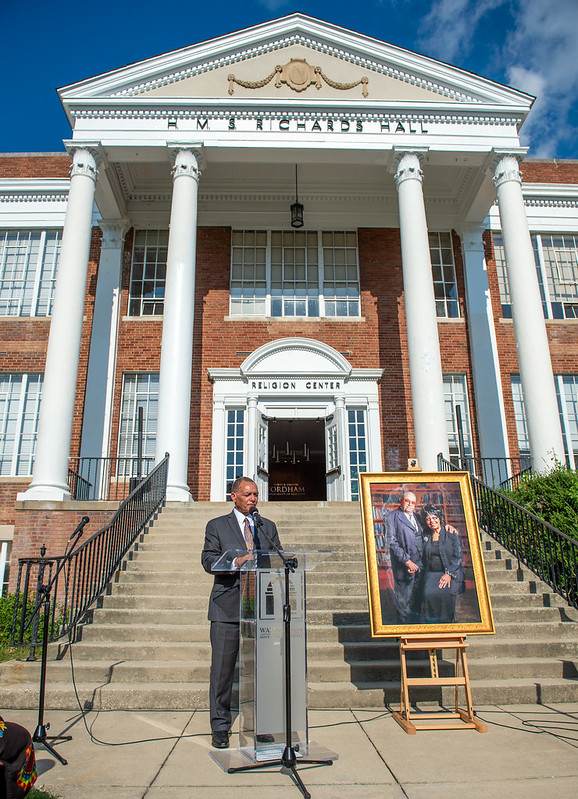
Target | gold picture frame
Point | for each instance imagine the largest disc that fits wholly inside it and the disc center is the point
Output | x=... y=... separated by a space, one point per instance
x=413 y=599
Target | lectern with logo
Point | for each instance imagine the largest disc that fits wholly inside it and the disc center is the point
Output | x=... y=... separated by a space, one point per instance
x=273 y=728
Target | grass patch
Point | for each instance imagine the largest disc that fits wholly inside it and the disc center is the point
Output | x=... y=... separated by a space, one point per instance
x=36 y=794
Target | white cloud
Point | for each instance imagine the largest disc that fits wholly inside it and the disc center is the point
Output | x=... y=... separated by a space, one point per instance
x=537 y=53
x=449 y=29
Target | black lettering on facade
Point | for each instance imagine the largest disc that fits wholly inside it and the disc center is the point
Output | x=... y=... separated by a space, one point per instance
x=232 y=123
x=359 y=126
x=330 y=124
x=423 y=129
x=384 y=126
x=316 y=125
x=259 y=124
x=400 y=128
x=202 y=124
x=344 y=125
x=301 y=126
x=284 y=124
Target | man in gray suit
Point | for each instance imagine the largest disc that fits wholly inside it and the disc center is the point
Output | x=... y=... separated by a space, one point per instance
x=405 y=540
x=221 y=534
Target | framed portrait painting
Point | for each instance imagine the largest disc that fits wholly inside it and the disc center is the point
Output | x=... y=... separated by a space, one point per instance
x=425 y=570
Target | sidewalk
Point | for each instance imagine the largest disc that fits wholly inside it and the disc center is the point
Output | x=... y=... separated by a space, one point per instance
x=529 y=751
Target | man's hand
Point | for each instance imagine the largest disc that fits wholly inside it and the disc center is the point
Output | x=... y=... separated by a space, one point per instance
x=242 y=559
x=412 y=568
x=450 y=529
x=445 y=580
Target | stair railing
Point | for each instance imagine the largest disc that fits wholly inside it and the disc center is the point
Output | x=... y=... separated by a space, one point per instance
x=548 y=552
x=89 y=568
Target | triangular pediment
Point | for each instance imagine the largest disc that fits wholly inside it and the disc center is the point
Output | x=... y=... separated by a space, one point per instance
x=295 y=58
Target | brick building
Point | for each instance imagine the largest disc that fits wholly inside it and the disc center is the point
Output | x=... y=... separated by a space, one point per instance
x=303 y=253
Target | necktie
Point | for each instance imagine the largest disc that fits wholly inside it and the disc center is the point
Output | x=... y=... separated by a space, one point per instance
x=248 y=533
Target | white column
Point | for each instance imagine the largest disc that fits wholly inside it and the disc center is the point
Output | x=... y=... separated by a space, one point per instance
x=178 y=317
x=50 y=476
x=427 y=391
x=103 y=341
x=536 y=376
x=491 y=420
x=251 y=438
x=343 y=483
x=373 y=436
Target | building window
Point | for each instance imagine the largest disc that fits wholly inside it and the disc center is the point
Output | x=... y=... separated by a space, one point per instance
x=457 y=408
x=567 y=394
x=235 y=445
x=444 y=275
x=5 y=549
x=556 y=259
x=19 y=405
x=148 y=275
x=28 y=271
x=294 y=273
x=520 y=416
x=139 y=390
x=357 y=449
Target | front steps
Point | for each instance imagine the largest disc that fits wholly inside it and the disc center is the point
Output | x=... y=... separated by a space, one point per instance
x=148 y=645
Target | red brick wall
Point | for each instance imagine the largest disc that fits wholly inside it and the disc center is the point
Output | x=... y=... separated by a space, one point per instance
x=549 y=171
x=52 y=527
x=34 y=165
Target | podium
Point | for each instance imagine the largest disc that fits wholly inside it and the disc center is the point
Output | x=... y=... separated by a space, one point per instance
x=273 y=660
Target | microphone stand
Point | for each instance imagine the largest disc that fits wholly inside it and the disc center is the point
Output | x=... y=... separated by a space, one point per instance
x=288 y=758
x=40 y=735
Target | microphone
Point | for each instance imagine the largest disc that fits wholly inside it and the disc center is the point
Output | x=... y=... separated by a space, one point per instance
x=256 y=516
x=82 y=524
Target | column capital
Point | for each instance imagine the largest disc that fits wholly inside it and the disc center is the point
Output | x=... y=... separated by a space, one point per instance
x=113 y=232
x=471 y=236
x=408 y=164
x=506 y=165
x=186 y=159
x=86 y=158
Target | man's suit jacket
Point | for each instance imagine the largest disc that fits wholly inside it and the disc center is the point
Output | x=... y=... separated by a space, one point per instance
x=221 y=534
x=403 y=543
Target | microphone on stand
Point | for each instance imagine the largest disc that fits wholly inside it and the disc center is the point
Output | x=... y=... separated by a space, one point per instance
x=256 y=516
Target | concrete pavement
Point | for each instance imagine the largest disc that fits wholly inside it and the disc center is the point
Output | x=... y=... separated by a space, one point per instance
x=529 y=751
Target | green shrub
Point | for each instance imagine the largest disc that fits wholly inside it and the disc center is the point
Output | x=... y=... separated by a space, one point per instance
x=552 y=496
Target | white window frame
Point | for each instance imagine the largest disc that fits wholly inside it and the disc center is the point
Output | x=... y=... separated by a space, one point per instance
x=19 y=428
x=444 y=281
x=234 y=449
x=547 y=271
x=153 y=241
x=355 y=448
x=261 y=302
x=452 y=398
x=138 y=389
x=33 y=293
x=520 y=415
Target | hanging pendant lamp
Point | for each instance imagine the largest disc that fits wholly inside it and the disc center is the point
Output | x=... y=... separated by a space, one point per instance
x=296 y=207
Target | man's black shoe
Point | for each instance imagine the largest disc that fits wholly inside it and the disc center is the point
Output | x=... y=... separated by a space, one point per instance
x=266 y=739
x=220 y=740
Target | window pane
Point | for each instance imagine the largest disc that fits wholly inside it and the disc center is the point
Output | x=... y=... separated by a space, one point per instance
x=19 y=405
x=148 y=276
x=443 y=275
x=28 y=271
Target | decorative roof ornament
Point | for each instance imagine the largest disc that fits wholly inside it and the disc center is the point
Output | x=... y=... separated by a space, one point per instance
x=298 y=75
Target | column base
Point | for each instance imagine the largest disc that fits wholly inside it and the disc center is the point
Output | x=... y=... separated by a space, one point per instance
x=177 y=493
x=43 y=492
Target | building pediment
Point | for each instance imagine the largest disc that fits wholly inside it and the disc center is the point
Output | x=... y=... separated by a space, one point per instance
x=294 y=58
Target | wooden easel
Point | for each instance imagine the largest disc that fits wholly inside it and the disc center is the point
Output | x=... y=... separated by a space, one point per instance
x=459 y=719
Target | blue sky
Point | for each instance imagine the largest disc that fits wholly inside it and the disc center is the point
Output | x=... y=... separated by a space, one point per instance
x=529 y=44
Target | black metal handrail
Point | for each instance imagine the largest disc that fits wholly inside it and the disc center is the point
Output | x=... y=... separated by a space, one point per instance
x=548 y=552
x=89 y=568
x=495 y=472
x=101 y=479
